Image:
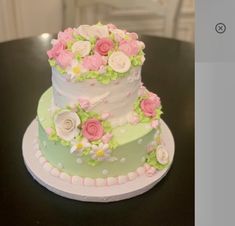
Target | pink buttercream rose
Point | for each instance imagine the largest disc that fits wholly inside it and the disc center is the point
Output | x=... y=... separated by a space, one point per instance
x=65 y=36
x=103 y=46
x=129 y=47
x=149 y=105
x=93 y=62
x=55 y=50
x=64 y=59
x=92 y=129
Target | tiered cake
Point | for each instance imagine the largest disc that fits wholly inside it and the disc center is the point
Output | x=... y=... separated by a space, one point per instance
x=98 y=124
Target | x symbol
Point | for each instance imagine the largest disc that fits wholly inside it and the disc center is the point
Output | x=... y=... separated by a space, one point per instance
x=220 y=28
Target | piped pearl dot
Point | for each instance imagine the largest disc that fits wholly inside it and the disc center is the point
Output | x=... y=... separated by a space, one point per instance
x=38 y=154
x=150 y=172
x=140 y=170
x=55 y=172
x=89 y=181
x=147 y=166
x=36 y=146
x=79 y=160
x=47 y=166
x=105 y=172
x=77 y=180
x=42 y=160
x=132 y=175
x=100 y=182
x=122 y=179
x=65 y=177
x=111 y=181
x=122 y=160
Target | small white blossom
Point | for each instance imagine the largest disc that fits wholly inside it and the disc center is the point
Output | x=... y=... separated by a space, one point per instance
x=79 y=146
x=100 y=152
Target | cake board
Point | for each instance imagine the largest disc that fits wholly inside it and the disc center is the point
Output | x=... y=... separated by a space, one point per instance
x=112 y=193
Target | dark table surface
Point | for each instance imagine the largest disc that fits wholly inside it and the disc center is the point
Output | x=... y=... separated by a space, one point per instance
x=25 y=75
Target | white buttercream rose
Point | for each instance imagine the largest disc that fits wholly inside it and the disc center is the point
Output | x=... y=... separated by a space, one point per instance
x=119 y=62
x=85 y=31
x=82 y=48
x=66 y=124
x=100 y=31
x=162 y=155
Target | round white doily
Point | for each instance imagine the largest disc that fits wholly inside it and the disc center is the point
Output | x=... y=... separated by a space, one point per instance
x=91 y=194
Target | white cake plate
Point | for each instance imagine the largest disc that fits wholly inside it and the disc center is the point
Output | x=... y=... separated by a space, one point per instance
x=91 y=194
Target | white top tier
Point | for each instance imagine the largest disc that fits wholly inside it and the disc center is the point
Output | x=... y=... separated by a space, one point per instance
x=116 y=98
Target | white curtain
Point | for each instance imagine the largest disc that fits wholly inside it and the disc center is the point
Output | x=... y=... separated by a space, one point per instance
x=24 y=18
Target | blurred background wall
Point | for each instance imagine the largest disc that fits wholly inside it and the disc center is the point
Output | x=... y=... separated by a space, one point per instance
x=167 y=18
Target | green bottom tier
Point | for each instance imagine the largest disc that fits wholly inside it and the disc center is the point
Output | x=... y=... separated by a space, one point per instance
x=127 y=157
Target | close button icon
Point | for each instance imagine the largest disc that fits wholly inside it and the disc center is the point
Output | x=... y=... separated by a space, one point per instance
x=220 y=28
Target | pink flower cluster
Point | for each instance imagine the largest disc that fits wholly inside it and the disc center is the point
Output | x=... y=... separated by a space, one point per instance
x=108 y=39
x=59 y=52
x=129 y=47
x=93 y=62
x=150 y=104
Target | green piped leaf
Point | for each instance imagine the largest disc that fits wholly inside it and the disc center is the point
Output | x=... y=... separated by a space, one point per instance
x=86 y=151
x=107 y=126
x=96 y=142
x=52 y=62
x=69 y=45
x=79 y=37
x=60 y=69
x=53 y=136
x=113 y=144
x=65 y=143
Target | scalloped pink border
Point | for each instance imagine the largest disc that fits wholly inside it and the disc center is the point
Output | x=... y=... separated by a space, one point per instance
x=87 y=181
